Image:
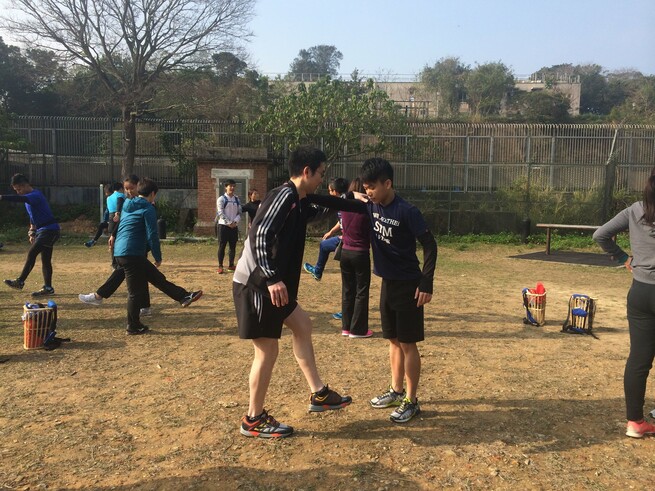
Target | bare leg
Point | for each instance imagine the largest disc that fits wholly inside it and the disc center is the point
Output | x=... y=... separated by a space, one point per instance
x=301 y=329
x=412 y=368
x=266 y=350
x=397 y=363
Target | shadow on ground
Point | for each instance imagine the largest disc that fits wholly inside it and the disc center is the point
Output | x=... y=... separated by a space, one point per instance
x=570 y=257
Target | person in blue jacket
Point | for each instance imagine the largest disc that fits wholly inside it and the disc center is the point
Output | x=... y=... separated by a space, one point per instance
x=43 y=233
x=137 y=230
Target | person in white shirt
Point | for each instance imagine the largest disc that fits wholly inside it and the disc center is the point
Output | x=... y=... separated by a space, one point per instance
x=228 y=216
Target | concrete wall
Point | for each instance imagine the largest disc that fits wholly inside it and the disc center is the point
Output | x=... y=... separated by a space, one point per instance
x=572 y=90
x=418 y=102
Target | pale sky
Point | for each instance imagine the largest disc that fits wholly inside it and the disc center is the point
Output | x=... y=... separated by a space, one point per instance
x=401 y=37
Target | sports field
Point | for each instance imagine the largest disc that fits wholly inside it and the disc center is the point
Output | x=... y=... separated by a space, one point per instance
x=505 y=406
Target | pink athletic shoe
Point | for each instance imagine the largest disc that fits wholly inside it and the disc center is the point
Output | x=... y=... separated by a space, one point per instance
x=639 y=430
x=368 y=334
x=345 y=333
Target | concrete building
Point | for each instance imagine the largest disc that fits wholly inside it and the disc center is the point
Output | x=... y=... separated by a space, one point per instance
x=417 y=102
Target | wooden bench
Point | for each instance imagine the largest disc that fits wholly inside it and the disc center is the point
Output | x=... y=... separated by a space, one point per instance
x=550 y=226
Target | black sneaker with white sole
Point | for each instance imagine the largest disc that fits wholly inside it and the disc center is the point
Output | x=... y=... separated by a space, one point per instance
x=190 y=298
x=142 y=329
x=44 y=292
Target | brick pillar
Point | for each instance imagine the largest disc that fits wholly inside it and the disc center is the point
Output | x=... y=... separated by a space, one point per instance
x=250 y=164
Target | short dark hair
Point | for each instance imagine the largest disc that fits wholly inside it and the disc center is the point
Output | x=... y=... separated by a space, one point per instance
x=339 y=184
x=117 y=186
x=147 y=186
x=376 y=169
x=305 y=156
x=132 y=179
x=229 y=182
x=19 y=179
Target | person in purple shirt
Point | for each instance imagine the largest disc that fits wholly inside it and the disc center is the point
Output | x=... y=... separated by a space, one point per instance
x=355 y=265
x=43 y=233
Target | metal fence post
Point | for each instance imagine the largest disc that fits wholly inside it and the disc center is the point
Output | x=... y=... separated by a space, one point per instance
x=528 y=159
x=406 y=147
x=44 y=160
x=553 y=149
x=55 y=160
x=110 y=124
x=101 y=198
x=491 y=163
x=450 y=191
x=466 y=163
x=610 y=179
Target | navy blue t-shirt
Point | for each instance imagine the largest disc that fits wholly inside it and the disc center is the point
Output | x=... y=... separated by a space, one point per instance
x=393 y=238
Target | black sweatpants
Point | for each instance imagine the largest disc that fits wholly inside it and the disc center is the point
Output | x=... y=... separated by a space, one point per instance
x=227 y=235
x=138 y=273
x=109 y=287
x=102 y=226
x=355 y=283
x=43 y=244
x=641 y=322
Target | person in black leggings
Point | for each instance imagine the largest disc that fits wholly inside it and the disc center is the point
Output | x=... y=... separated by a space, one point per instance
x=43 y=233
x=639 y=220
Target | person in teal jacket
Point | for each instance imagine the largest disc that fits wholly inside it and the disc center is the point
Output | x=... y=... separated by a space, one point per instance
x=137 y=230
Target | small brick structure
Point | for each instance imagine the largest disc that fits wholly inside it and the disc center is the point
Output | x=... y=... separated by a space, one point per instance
x=247 y=166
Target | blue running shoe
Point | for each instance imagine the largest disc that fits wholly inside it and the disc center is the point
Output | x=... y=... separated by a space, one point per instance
x=312 y=271
x=337 y=316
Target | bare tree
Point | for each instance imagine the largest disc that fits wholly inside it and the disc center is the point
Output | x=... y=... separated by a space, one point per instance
x=129 y=44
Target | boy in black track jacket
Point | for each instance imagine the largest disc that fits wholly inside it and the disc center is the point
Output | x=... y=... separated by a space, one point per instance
x=265 y=292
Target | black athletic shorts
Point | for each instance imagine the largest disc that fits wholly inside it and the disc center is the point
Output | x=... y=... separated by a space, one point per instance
x=46 y=238
x=401 y=318
x=257 y=317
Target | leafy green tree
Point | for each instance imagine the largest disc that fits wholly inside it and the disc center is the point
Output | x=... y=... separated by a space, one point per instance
x=594 y=93
x=545 y=107
x=9 y=140
x=316 y=62
x=550 y=75
x=336 y=113
x=486 y=86
x=27 y=81
x=206 y=94
x=639 y=106
x=129 y=46
x=12 y=81
x=228 y=66
x=599 y=91
x=446 y=81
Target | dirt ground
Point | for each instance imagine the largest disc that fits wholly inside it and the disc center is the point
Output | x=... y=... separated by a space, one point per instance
x=505 y=406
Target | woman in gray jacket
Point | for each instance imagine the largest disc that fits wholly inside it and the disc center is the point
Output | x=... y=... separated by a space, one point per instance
x=639 y=220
